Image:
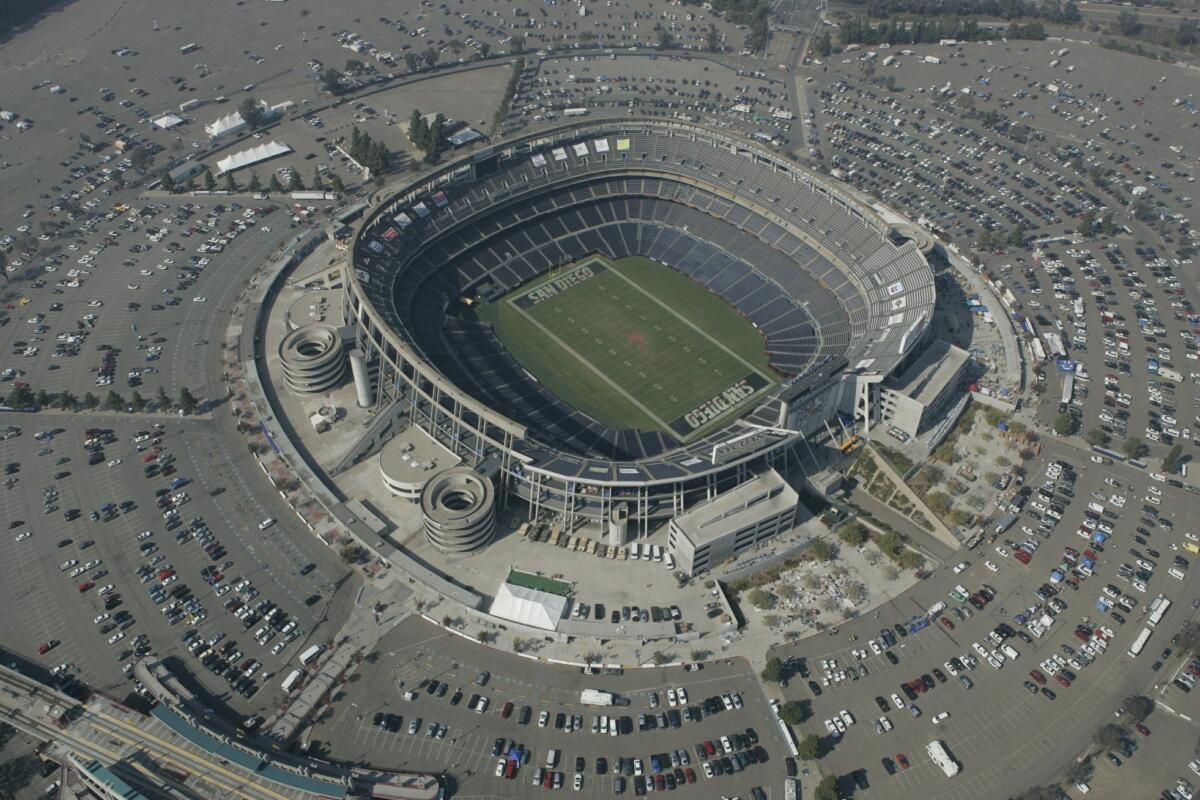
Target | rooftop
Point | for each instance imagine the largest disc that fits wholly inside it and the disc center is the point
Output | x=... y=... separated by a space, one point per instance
x=413 y=457
x=766 y=495
x=539 y=583
x=926 y=376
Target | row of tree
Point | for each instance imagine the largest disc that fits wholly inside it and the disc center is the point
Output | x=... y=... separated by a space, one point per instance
x=1054 y=11
x=429 y=138
x=371 y=153
x=861 y=30
x=24 y=397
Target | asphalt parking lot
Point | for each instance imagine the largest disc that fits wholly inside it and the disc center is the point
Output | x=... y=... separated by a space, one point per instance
x=49 y=606
x=416 y=653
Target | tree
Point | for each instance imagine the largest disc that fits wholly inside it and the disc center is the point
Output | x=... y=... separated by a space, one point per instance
x=67 y=400
x=335 y=183
x=1189 y=637
x=163 y=400
x=518 y=45
x=431 y=56
x=773 y=672
x=353 y=554
x=255 y=185
x=1138 y=707
x=1128 y=23
x=141 y=158
x=168 y=183
x=21 y=397
x=853 y=534
x=210 y=182
x=251 y=111
x=16 y=774
x=114 y=402
x=809 y=748
x=1017 y=237
x=354 y=66
x=90 y=401
x=823 y=44
x=1171 y=460
x=795 y=712
x=1109 y=735
x=1134 y=447
x=1064 y=423
x=1079 y=771
x=230 y=184
x=827 y=789
x=485 y=49
x=411 y=62
x=187 y=402
x=43 y=399
x=759 y=599
x=276 y=186
x=823 y=550
x=910 y=559
x=137 y=401
x=331 y=81
x=295 y=184
x=1097 y=438
x=660 y=658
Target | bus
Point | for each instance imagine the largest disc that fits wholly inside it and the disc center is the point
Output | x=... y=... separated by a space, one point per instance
x=291 y=680
x=1139 y=643
x=937 y=753
x=1158 y=607
x=311 y=653
x=790 y=789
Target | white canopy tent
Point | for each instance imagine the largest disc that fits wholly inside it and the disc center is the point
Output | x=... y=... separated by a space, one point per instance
x=527 y=606
x=248 y=158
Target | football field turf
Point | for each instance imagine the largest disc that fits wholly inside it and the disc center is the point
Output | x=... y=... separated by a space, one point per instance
x=635 y=344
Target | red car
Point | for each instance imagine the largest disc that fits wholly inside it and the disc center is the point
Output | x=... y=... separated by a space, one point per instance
x=1142 y=729
x=1062 y=679
x=45 y=647
x=947 y=624
x=1037 y=675
x=1022 y=556
x=83 y=587
x=710 y=749
x=902 y=760
x=690 y=774
x=507 y=711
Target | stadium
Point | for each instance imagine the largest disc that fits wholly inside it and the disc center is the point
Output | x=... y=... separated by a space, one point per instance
x=615 y=320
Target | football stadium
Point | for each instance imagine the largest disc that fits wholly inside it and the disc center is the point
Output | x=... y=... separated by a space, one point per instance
x=616 y=320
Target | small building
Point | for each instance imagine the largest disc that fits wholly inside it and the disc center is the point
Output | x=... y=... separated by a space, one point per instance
x=168 y=121
x=185 y=171
x=911 y=399
x=732 y=523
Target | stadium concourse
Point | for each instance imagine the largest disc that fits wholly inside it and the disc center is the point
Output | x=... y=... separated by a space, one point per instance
x=839 y=298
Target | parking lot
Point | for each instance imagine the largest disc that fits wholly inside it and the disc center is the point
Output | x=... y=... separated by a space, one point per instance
x=445 y=674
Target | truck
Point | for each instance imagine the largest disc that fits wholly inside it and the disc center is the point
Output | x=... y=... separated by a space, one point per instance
x=1006 y=523
x=595 y=697
x=1169 y=374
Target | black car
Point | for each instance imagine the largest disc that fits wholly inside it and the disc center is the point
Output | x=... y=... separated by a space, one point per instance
x=883 y=705
x=815 y=688
x=891 y=657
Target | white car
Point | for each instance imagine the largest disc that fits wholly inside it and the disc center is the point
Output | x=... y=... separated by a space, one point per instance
x=846 y=718
x=939 y=718
x=875 y=648
x=100 y=618
x=683 y=695
x=266 y=523
x=105 y=589
x=132 y=286
x=116 y=637
x=1003 y=551
x=829 y=726
x=114 y=462
x=199 y=299
x=992 y=566
x=897 y=701
x=960 y=566
x=672 y=700
x=23 y=535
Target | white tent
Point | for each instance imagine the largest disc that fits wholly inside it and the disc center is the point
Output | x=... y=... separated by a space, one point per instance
x=230 y=123
x=255 y=155
x=168 y=121
x=526 y=606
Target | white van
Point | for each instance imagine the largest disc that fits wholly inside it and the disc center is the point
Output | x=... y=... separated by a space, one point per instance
x=657 y=552
x=551 y=759
x=1010 y=651
x=1097 y=507
x=1176 y=573
x=635 y=551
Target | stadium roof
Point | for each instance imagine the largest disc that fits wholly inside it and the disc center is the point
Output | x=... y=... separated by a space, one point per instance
x=255 y=155
x=527 y=606
x=223 y=125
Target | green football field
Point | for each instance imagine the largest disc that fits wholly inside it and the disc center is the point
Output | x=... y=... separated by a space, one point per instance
x=635 y=344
